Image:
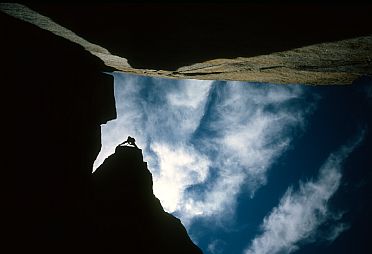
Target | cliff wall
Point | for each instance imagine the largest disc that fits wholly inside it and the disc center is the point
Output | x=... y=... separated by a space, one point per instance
x=282 y=43
x=55 y=96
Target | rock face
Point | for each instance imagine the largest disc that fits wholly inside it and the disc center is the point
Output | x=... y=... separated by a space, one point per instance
x=277 y=43
x=127 y=215
x=338 y=62
x=55 y=96
x=25 y=14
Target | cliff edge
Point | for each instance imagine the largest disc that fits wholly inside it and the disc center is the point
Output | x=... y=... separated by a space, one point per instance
x=316 y=44
x=56 y=95
x=127 y=215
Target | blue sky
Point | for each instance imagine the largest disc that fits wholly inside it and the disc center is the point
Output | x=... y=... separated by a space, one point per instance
x=253 y=168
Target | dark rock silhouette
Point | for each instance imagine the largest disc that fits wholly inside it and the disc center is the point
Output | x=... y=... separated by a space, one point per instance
x=242 y=42
x=170 y=36
x=124 y=200
x=55 y=96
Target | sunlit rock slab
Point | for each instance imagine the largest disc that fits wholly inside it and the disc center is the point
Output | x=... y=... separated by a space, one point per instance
x=332 y=63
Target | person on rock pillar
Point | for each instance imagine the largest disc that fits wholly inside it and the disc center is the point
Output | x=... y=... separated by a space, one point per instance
x=130 y=141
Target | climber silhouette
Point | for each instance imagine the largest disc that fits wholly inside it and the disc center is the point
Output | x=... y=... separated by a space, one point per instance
x=130 y=141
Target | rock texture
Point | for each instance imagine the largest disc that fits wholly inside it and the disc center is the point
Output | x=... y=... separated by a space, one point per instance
x=55 y=96
x=26 y=14
x=279 y=43
x=339 y=62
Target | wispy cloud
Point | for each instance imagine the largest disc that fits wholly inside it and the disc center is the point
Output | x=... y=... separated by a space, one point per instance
x=216 y=246
x=150 y=112
x=336 y=231
x=251 y=127
x=300 y=213
x=180 y=168
x=204 y=142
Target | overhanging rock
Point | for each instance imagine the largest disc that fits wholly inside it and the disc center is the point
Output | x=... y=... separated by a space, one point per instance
x=325 y=45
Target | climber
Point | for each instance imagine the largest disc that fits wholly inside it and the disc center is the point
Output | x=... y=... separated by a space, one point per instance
x=130 y=141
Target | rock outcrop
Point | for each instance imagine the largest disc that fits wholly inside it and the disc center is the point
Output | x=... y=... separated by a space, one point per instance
x=55 y=96
x=127 y=216
x=277 y=43
x=26 y=14
x=338 y=62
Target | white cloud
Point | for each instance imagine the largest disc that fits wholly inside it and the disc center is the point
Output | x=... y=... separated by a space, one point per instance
x=301 y=212
x=190 y=94
x=180 y=167
x=216 y=246
x=336 y=231
x=248 y=140
x=155 y=117
x=249 y=127
x=116 y=131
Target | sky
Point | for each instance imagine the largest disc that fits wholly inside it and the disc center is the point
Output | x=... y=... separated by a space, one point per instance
x=254 y=168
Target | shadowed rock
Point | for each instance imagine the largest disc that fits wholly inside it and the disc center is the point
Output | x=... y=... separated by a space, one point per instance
x=277 y=43
x=127 y=215
x=56 y=95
